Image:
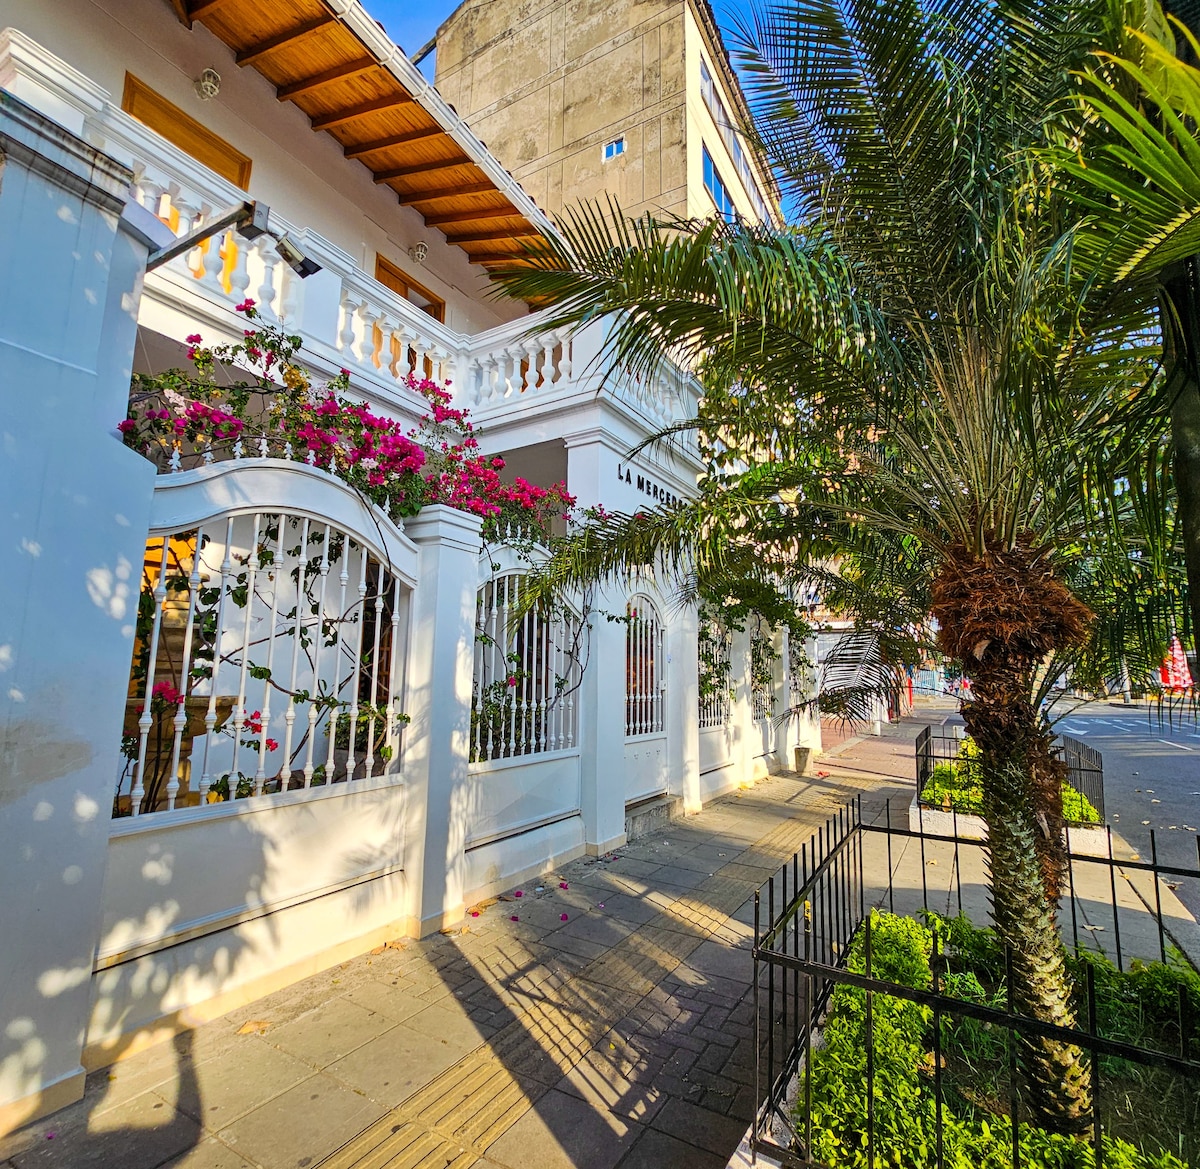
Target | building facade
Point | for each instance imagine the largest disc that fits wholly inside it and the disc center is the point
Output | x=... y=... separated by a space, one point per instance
x=582 y=99
x=158 y=620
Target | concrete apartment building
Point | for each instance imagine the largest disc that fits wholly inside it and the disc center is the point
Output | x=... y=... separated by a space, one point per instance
x=583 y=98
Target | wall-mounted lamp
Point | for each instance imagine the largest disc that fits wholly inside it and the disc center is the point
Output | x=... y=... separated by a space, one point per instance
x=418 y=252
x=208 y=84
x=250 y=219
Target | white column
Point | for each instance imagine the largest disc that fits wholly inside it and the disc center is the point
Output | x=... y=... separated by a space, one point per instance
x=77 y=508
x=591 y=467
x=440 y=663
x=683 y=707
x=747 y=742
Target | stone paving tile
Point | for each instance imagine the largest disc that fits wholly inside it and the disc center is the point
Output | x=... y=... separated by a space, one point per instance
x=328 y=1032
x=210 y=1153
x=565 y=1132
x=301 y=1126
x=657 y=1150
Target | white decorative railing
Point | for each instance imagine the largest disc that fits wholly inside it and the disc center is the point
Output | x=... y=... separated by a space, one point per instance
x=345 y=317
x=267 y=658
x=526 y=675
x=645 y=668
x=713 y=647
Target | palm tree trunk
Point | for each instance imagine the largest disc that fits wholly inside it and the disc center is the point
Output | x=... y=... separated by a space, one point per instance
x=1000 y=614
x=1180 y=316
x=1024 y=857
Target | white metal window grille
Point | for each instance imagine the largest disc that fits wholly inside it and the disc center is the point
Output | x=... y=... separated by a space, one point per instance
x=526 y=675
x=762 y=659
x=714 y=645
x=267 y=657
x=645 y=673
x=799 y=672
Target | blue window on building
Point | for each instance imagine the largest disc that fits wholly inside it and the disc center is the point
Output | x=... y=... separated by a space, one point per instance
x=716 y=188
x=613 y=148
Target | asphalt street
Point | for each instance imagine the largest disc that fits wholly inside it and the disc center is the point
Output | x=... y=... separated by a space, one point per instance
x=1151 y=781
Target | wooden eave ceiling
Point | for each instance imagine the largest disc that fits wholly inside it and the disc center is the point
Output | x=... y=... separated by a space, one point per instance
x=318 y=63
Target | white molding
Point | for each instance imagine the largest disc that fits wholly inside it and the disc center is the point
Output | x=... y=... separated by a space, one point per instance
x=185 y=499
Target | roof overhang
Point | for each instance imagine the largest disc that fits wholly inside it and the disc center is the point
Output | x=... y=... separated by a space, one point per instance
x=336 y=64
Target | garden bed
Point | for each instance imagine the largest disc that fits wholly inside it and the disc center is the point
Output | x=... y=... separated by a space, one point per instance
x=1150 y=1112
x=950 y=803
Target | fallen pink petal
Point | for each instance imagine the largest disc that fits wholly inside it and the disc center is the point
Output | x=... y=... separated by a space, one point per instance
x=518 y=893
x=562 y=917
x=562 y=885
x=514 y=918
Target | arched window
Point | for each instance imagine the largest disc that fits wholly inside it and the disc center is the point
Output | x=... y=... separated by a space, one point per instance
x=526 y=675
x=645 y=668
x=267 y=657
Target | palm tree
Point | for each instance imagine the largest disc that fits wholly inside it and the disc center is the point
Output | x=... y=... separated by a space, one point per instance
x=918 y=375
x=1134 y=160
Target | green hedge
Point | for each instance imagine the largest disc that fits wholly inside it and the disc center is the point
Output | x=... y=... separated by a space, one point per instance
x=1133 y=1005
x=959 y=786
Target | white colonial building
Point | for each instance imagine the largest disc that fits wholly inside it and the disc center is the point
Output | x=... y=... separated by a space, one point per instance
x=136 y=901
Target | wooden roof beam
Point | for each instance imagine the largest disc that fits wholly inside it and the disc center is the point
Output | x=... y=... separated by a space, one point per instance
x=256 y=53
x=361 y=148
x=329 y=77
x=421 y=168
x=351 y=113
x=497 y=258
x=201 y=9
x=469 y=216
x=434 y=194
x=483 y=237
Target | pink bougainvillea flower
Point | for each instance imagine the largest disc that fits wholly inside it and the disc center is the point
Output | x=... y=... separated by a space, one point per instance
x=244 y=307
x=193 y=338
x=562 y=884
x=562 y=917
x=474 y=912
x=127 y=427
x=519 y=893
x=272 y=745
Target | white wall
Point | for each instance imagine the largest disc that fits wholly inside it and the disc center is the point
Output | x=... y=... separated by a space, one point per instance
x=72 y=531
x=301 y=174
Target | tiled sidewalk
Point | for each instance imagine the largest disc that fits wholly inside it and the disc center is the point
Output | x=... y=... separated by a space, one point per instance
x=609 y=1026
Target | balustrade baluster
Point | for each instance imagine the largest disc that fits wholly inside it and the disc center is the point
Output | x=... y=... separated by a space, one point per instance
x=146 y=719
x=361 y=606
x=564 y=361
x=345 y=334
x=264 y=250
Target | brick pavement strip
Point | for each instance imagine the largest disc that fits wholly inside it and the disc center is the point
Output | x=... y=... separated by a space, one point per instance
x=461 y=1113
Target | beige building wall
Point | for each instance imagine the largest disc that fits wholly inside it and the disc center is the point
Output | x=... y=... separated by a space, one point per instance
x=547 y=83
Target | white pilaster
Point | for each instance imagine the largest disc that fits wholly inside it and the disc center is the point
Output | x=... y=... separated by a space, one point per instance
x=436 y=757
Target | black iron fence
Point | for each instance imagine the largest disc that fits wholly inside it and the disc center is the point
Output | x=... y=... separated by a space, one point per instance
x=816 y=912
x=1085 y=767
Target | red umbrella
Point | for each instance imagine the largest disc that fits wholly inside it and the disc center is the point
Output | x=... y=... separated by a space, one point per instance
x=1174 y=672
